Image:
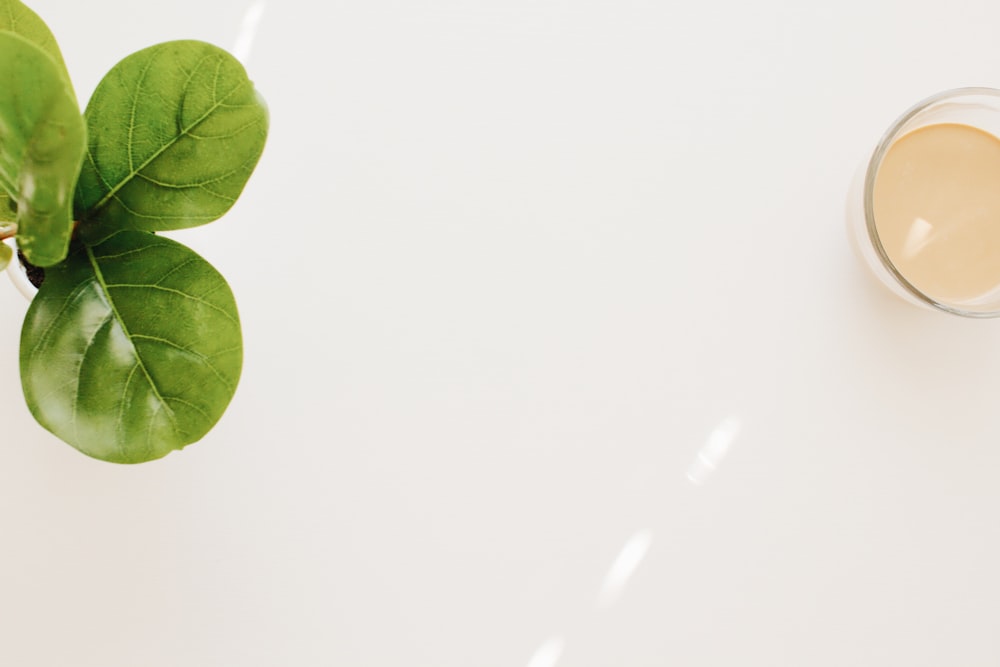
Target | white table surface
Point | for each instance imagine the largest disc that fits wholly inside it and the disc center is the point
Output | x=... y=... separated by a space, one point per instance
x=506 y=270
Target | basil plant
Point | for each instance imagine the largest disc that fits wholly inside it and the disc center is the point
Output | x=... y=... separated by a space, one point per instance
x=132 y=347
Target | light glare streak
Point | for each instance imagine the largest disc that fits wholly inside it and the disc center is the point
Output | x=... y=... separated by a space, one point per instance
x=716 y=447
x=548 y=653
x=625 y=565
x=248 y=31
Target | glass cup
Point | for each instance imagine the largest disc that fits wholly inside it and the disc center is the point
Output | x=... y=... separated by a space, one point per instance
x=977 y=108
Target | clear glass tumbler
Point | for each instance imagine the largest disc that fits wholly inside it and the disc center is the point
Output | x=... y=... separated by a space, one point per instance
x=977 y=108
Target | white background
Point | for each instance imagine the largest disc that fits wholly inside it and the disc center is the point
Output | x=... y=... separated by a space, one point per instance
x=506 y=270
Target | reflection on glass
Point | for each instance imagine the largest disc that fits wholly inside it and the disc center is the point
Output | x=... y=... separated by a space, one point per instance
x=919 y=236
x=624 y=567
x=251 y=20
x=548 y=653
x=715 y=449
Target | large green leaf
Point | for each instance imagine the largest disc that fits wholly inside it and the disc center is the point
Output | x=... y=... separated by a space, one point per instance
x=174 y=133
x=8 y=208
x=16 y=17
x=131 y=349
x=41 y=146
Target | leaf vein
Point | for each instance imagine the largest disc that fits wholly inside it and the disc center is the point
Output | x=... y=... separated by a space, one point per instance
x=68 y=302
x=190 y=186
x=120 y=422
x=136 y=94
x=112 y=194
x=131 y=252
x=121 y=322
x=148 y=216
x=187 y=350
x=179 y=267
x=178 y=292
x=196 y=408
x=88 y=346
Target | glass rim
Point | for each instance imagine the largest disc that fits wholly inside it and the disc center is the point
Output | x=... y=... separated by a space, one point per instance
x=871 y=172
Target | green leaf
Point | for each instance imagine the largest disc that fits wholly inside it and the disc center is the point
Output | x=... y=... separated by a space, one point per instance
x=8 y=208
x=41 y=146
x=17 y=18
x=131 y=348
x=174 y=133
x=6 y=254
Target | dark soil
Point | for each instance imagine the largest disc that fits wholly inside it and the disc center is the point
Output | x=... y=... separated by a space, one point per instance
x=36 y=274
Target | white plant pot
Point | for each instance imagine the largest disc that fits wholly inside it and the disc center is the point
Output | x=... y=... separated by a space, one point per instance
x=18 y=275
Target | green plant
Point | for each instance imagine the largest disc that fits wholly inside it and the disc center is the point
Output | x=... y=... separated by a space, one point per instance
x=132 y=347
